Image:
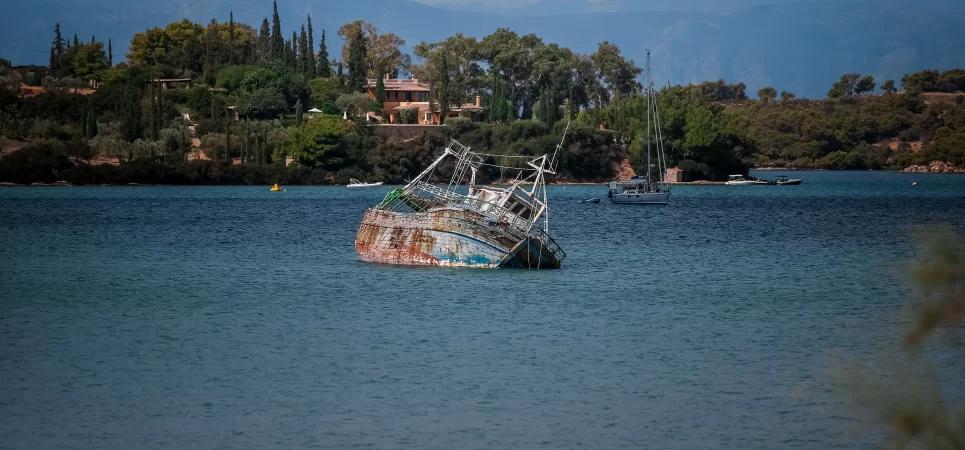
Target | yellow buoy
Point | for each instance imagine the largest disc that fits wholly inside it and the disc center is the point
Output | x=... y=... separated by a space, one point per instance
x=275 y=188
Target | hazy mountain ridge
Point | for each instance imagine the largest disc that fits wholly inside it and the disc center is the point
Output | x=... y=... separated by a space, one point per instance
x=797 y=46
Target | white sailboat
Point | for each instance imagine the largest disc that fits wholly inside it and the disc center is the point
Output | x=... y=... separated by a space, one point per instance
x=644 y=190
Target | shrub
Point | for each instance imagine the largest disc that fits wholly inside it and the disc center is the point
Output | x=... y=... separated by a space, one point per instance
x=42 y=163
x=409 y=116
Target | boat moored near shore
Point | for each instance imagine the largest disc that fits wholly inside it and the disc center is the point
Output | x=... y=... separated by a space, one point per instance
x=353 y=183
x=739 y=180
x=647 y=189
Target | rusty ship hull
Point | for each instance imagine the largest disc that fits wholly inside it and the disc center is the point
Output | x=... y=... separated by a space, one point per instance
x=450 y=236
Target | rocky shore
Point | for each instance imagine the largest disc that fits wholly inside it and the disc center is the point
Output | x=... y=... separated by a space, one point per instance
x=934 y=167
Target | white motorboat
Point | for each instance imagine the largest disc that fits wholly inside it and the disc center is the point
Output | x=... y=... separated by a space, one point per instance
x=739 y=180
x=353 y=183
x=645 y=190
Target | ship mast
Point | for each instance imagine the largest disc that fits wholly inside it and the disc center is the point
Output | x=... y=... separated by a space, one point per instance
x=648 y=91
x=653 y=119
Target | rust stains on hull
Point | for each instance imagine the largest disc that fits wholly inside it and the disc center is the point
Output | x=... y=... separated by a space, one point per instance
x=446 y=237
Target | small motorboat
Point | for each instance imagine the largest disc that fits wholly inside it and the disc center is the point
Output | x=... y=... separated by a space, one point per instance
x=739 y=180
x=590 y=200
x=782 y=180
x=353 y=183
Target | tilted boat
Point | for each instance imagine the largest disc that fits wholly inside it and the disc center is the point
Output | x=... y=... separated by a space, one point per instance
x=424 y=224
x=353 y=183
x=645 y=190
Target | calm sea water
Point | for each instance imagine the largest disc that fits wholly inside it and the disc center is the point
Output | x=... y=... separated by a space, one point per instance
x=231 y=317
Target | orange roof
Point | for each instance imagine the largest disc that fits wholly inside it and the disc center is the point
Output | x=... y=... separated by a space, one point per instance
x=468 y=107
x=395 y=84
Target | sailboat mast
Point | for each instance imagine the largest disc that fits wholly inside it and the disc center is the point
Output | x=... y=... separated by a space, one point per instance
x=648 y=117
x=652 y=110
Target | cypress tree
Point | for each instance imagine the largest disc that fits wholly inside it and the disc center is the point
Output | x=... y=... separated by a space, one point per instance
x=304 y=62
x=246 y=155
x=58 y=42
x=357 y=75
x=264 y=41
x=324 y=69
x=90 y=129
x=155 y=128
x=312 y=72
x=84 y=127
x=227 y=136
x=294 y=51
x=160 y=109
x=497 y=109
x=131 y=129
x=341 y=76
x=286 y=52
x=76 y=42
x=110 y=53
x=380 y=89
x=53 y=58
x=443 y=94
x=93 y=124
x=92 y=40
x=231 y=37
x=277 y=41
x=298 y=112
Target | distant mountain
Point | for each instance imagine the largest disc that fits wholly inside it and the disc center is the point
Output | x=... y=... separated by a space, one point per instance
x=793 y=45
x=562 y=7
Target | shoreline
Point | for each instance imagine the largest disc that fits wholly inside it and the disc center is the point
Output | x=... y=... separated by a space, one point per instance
x=564 y=184
x=64 y=184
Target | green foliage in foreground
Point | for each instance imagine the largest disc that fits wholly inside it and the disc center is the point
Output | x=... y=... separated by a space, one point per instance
x=913 y=395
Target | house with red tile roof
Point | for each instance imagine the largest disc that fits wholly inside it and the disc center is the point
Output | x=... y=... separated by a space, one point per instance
x=412 y=94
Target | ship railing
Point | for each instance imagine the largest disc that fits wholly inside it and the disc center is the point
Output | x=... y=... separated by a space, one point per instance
x=550 y=244
x=435 y=190
x=499 y=213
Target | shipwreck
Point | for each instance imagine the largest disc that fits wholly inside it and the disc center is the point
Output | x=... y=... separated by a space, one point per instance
x=462 y=224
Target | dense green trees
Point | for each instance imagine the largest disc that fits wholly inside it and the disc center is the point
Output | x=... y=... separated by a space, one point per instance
x=934 y=81
x=767 y=94
x=309 y=143
x=870 y=132
x=528 y=88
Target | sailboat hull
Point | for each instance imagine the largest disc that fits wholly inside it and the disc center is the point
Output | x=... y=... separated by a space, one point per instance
x=643 y=198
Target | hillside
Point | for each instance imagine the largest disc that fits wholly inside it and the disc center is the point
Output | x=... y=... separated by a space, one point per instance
x=797 y=46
